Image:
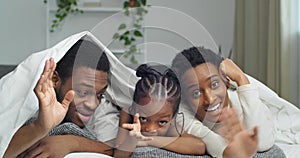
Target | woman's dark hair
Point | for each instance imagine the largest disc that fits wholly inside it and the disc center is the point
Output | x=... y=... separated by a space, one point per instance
x=159 y=81
x=82 y=53
x=194 y=56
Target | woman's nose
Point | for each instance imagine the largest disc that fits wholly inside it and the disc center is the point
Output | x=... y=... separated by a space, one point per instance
x=209 y=96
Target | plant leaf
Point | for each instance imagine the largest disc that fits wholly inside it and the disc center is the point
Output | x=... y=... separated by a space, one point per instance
x=137 y=33
x=126 y=4
x=116 y=36
x=126 y=12
x=127 y=41
x=122 y=26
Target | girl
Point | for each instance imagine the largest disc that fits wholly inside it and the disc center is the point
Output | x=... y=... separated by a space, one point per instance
x=155 y=105
x=205 y=80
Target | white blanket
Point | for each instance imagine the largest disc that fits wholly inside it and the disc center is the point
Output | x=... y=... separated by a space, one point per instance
x=286 y=118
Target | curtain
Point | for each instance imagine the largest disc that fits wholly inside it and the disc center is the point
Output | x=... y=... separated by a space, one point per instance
x=265 y=43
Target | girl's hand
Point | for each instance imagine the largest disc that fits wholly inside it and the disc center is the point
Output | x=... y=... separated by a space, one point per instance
x=135 y=129
x=229 y=69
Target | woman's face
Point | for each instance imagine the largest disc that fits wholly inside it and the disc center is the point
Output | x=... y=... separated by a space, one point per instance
x=205 y=92
x=155 y=116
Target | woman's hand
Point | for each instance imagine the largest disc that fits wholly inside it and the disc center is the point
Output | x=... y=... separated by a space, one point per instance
x=51 y=112
x=231 y=125
x=241 y=142
x=229 y=69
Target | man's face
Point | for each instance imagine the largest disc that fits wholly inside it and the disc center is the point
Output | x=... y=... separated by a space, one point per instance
x=205 y=91
x=89 y=85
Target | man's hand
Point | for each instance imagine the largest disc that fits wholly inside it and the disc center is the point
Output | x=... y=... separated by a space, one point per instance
x=50 y=146
x=51 y=112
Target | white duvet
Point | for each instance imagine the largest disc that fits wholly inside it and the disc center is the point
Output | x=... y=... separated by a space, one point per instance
x=18 y=102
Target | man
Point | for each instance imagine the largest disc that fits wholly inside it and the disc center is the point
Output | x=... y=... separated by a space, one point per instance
x=70 y=92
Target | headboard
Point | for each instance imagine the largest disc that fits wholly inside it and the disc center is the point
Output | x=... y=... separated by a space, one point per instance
x=4 y=69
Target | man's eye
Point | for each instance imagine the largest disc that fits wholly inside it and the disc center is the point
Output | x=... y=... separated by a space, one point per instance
x=100 y=96
x=143 y=119
x=214 y=84
x=196 y=93
x=82 y=93
x=162 y=123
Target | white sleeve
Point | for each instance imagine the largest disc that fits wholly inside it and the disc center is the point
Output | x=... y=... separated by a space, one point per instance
x=255 y=113
x=215 y=144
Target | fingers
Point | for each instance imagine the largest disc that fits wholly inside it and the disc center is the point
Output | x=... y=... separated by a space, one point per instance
x=31 y=152
x=45 y=80
x=68 y=99
x=139 y=136
x=255 y=133
x=146 y=138
x=34 y=153
x=128 y=126
x=136 y=118
x=230 y=124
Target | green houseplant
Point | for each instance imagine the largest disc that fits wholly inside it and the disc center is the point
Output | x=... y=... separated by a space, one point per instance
x=65 y=7
x=129 y=33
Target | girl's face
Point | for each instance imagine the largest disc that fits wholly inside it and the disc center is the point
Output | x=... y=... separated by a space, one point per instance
x=205 y=91
x=155 y=116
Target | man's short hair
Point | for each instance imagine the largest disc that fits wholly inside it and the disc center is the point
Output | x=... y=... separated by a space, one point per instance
x=83 y=53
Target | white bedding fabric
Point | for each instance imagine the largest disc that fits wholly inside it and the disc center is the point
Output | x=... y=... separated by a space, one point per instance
x=18 y=102
x=286 y=118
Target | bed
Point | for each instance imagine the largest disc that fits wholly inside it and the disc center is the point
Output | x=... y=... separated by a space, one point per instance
x=286 y=117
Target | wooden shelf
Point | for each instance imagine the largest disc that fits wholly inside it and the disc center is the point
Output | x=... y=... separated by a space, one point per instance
x=93 y=9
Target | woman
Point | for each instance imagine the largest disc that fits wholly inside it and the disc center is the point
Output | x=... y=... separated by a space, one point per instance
x=205 y=79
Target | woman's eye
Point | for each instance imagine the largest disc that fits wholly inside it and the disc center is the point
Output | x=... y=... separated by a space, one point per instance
x=196 y=93
x=162 y=123
x=214 y=84
x=143 y=119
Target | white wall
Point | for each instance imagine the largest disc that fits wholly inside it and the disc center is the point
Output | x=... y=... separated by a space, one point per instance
x=24 y=28
x=217 y=16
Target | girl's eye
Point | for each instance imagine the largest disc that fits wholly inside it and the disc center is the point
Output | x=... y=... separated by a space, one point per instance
x=162 y=123
x=214 y=84
x=143 y=119
x=196 y=93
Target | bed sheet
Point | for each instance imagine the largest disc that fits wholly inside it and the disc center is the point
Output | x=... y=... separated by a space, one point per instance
x=286 y=118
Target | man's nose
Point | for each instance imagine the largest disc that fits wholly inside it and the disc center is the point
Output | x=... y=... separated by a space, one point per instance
x=92 y=102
